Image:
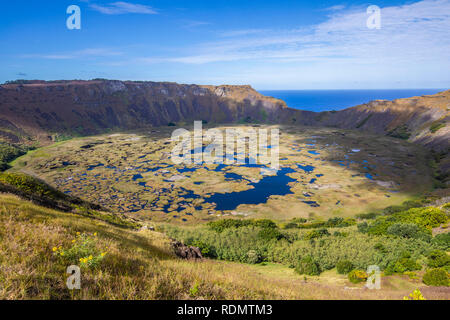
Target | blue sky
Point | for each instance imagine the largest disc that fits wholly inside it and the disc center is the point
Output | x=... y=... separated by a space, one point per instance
x=268 y=44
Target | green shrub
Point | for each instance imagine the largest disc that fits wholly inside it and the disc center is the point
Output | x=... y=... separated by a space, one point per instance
x=253 y=257
x=425 y=219
x=405 y=206
x=333 y=222
x=367 y=216
x=313 y=234
x=9 y=152
x=436 y=277
x=312 y=225
x=357 y=276
x=30 y=185
x=205 y=249
x=340 y=234
x=363 y=250
x=435 y=126
x=308 y=266
x=221 y=225
x=442 y=240
x=264 y=223
x=289 y=225
x=344 y=266
x=405 y=230
x=405 y=263
x=401 y=132
x=363 y=227
x=380 y=247
x=268 y=234
x=299 y=220
x=438 y=259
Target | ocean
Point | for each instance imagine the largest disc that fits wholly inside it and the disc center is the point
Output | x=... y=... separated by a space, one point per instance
x=325 y=100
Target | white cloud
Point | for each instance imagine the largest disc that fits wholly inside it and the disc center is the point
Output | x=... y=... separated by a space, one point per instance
x=335 y=8
x=121 y=7
x=410 y=34
x=245 y=32
x=191 y=24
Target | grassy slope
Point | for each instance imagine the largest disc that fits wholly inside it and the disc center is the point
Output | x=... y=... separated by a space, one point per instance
x=140 y=265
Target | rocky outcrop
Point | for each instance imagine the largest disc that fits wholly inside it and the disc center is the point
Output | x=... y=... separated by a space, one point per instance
x=186 y=252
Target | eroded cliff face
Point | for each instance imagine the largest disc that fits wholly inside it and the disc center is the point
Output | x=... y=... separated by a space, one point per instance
x=40 y=110
x=423 y=120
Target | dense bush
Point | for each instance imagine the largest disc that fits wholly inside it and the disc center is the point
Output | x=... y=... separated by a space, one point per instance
x=289 y=225
x=308 y=266
x=406 y=206
x=442 y=241
x=363 y=227
x=335 y=222
x=205 y=248
x=264 y=223
x=313 y=234
x=340 y=234
x=408 y=230
x=425 y=219
x=312 y=225
x=402 y=265
x=363 y=250
x=30 y=185
x=344 y=266
x=367 y=216
x=380 y=247
x=268 y=234
x=253 y=257
x=232 y=244
x=299 y=220
x=400 y=132
x=436 y=277
x=438 y=259
x=357 y=276
x=9 y=152
x=221 y=225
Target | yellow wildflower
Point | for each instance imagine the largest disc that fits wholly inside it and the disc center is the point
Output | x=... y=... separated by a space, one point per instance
x=95 y=234
x=62 y=253
x=78 y=233
x=54 y=249
x=415 y=295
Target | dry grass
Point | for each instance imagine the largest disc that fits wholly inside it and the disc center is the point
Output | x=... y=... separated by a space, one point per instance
x=140 y=265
